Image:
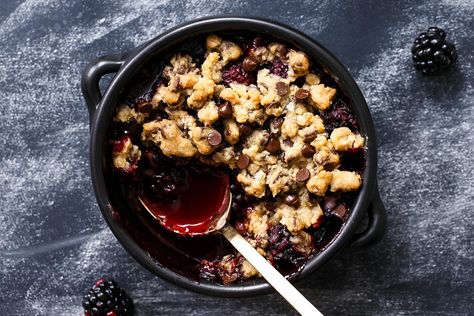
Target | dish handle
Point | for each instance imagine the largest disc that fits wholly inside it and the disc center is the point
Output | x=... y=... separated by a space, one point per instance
x=91 y=76
x=377 y=223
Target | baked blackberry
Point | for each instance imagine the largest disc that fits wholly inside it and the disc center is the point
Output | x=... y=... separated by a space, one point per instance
x=236 y=73
x=282 y=250
x=339 y=115
x=106 y=298
x=167 y=182
x=279 y=68
x=431 y=52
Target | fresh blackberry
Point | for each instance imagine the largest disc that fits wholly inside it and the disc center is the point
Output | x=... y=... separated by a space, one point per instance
x=106 y=298
x=431 y=52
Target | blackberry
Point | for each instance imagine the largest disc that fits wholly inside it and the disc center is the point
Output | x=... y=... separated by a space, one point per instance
x=353 y=160
x=339 y=115
x=431 y=52
x=279 y=68
x=236 y=73
x=166 y=183
x=240 y=200
x=226 y=271
x=281 y=248
x=106 y=298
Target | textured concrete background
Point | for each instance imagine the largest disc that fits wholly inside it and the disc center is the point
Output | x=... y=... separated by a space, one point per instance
x=54 y=242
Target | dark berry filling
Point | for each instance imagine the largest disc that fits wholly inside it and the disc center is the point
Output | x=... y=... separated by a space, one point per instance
x=282 y=250
x=222 y=272
x=339 y=115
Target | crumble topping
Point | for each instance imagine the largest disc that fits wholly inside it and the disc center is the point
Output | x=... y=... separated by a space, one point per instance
x=344 y=139
x=125 y=114
x=260 y=113
x=125 y=155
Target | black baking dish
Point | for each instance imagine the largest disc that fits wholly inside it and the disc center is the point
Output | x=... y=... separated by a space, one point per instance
x=127 y=65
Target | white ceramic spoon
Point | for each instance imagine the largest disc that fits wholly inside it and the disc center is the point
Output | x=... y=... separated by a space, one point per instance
x=273 y=277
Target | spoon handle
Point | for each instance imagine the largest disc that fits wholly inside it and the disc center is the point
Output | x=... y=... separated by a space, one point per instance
x=278 y=281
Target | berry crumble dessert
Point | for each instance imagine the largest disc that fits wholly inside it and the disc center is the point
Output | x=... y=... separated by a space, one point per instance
x=260 y=111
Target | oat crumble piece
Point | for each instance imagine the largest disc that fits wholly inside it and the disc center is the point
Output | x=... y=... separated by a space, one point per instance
x=299 y=62
x=226 y=156
x=267 y=85
x=169 y=138
x=202 y=90
x=208 y=114
x=322 y=96
x=319 y=183
x=125 y=155
x=231 y=132
x=248 y=270
x=343 y=139
x=345 y=181
x=258 y=225
x=254 y=184
x=297 y=219
x=125 y=114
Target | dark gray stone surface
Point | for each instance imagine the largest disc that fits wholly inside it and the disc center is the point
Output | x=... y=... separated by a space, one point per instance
x=54 y=242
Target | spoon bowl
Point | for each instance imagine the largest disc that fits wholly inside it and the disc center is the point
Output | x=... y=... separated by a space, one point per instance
x=201 y=209
x=216 y=223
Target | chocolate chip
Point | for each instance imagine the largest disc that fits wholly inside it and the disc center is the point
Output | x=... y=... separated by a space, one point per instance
x=302 y=175
x=282 y=88
x=225 y=110
x=301 y=95
x=308 y=151
x=245 y=129
x=249 y=63
x=243 y=161
x=145 y=107
x=275 y=125
x=310 y=137
x=273 y=146
x=214 y=138
x=281 y=50
x=291 y=199
x=340 y=211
